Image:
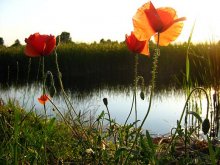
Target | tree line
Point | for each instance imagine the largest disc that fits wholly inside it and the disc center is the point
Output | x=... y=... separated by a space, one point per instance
x=64 y=37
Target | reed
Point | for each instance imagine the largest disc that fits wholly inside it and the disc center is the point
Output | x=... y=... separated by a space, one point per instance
x=81 y=62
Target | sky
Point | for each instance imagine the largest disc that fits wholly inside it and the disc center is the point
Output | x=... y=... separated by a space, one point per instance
x=91 y=20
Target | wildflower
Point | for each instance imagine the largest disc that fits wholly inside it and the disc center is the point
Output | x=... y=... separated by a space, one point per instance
x=89 y=151
x=149 y=22
x=135 y=45
x=43 y=99
x=39 y=45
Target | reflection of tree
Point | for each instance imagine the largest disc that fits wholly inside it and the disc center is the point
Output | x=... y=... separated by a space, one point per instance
x=64 y=37
x=1 y=41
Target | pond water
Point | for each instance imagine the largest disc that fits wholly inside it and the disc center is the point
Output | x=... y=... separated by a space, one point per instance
x=166 y=108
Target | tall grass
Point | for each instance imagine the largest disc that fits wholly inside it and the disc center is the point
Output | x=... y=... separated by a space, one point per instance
x=103 y=62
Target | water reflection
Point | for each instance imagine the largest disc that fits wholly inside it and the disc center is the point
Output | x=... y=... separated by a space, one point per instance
x=166 y=107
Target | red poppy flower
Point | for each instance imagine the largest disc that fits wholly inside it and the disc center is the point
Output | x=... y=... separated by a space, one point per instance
x=135 y=45
x=39 y=45
x=43 y=99
x=149 y=21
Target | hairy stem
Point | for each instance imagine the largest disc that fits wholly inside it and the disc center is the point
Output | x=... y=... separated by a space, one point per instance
x=154 y=71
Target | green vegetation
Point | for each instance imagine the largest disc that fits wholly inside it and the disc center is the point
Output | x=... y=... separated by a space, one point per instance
x=111 y=62
x=79 y=138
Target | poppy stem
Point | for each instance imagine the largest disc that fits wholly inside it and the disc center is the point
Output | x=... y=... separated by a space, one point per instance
x=183 y=111
x=152 y=84
x=43 y=75
x=135 y=87
x=154 y=71
x=61 y=85
x=130 y=111
x=134 y=99
x=45 y=112
x=66 y=98
x=64 y=119
x=158 y=40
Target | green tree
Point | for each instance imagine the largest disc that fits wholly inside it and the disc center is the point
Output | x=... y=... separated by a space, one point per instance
x=102 y=41
x=108 y=41
x=65 y=37
x=17 y=43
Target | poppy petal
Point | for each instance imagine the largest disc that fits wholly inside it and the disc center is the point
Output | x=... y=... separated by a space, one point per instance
x=154 y=18
x=43 y=99
x=134 y=44
x=170 y=34
x=50 y=45
x=37 y=42
x=30 y=51
x=142 y=26
x=167 y=15
x=145 y=50
x=39 y=45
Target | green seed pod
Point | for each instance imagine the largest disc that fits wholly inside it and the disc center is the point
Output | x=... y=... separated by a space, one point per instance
x=206 y=126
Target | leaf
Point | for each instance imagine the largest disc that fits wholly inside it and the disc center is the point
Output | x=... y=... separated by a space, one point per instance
x=149 y=140
x=187 y=54
x=196 y=115
x=187 y=68
x=51 y=124
x=211 y=151
x=118 y=153
x=217 y=152
x=102 y=114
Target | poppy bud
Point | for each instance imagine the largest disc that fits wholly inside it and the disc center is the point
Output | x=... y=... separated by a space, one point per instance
x=105 y=101
x=205 y=126
x=214 y=97
x=142 y=95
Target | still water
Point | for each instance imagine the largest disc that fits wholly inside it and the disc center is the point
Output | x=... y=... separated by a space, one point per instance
x=166 y=108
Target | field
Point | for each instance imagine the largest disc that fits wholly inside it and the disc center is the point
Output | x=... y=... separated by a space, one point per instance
x=75 y=138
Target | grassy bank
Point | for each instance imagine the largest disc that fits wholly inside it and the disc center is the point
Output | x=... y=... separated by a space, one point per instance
x=29 y=138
